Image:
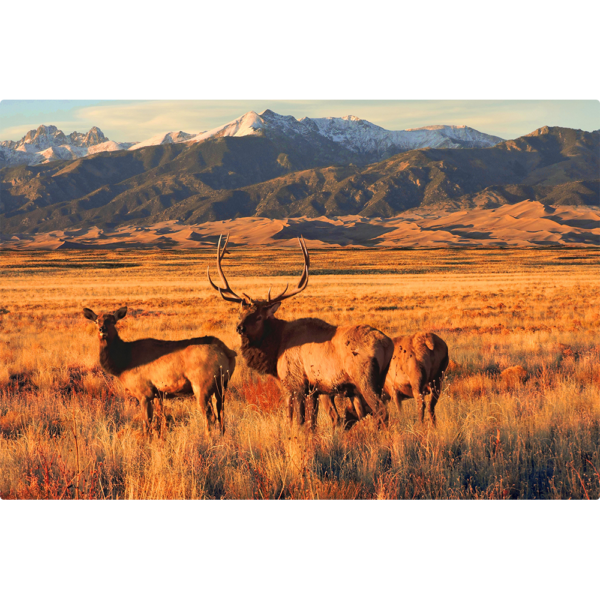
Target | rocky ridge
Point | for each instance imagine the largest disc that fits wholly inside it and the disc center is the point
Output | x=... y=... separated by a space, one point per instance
x=48 y=143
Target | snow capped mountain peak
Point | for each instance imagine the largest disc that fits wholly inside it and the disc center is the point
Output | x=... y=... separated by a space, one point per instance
x=42 y=137
x=94 y=137
x=171 y=137
x=250 y=123
x=459 y=134
x=47 y=143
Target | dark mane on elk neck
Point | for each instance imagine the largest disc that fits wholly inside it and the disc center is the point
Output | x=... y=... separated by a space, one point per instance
x=115 y=357
x=262 y=354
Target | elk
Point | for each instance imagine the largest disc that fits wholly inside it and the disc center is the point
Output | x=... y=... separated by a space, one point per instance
x=417 y=369
x=150 y=368
x=308 y=356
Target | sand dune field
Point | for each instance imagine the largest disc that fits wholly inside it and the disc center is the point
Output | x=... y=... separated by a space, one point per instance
x=518 y=225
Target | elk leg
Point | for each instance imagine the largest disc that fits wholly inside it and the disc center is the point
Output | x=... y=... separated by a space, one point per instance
x=350 y=415
x=218 y=400
x=301 y=408
x=292 y=401
x=422 y=408
x=221 y=397
x=361 y=408
x=398 y=397
x=289 y=404
x=436 y=390
x=204 y=405
x=312 y=403
x=289 y=401
x=161 y=422
x=418 y=386
x=376 y=406
x=367 y=389
x=330 y=408
x=220 y=408
x=215 y=409
x=358 y=409
x=147 y=413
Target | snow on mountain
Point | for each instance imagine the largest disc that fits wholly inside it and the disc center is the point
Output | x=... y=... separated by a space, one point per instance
x=172 y=137
x=461 y=133
x=365 y=137
x=108 y=146
x=352 y=133
x=64 y=152
x=248 y=124
x=365 y=140
x=48 y=143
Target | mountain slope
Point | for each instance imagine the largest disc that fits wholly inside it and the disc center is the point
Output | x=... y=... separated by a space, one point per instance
x=422 y=178
x=257 y=175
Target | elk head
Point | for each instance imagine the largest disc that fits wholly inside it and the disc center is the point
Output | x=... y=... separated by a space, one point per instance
x=255 y=314
x=106 y=322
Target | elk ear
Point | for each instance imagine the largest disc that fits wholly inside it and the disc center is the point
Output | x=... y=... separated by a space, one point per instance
x=90 y=314
x=273 y=309
x=119 y=314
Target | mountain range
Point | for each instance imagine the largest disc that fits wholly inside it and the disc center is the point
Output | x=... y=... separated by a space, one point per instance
x=48 y=143
x=341 y=139
x=274 y=166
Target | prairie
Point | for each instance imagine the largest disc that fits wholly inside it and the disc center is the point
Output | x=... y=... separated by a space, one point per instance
x=518 y=418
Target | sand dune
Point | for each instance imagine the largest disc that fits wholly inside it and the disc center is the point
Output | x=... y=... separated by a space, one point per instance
x=524 y=224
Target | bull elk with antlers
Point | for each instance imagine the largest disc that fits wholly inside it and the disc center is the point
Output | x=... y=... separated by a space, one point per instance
x=309 y=356
x=148 y=368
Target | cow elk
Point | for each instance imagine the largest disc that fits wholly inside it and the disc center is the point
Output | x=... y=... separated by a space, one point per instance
x=309 y=356
x=417 y=369
x=149 y=368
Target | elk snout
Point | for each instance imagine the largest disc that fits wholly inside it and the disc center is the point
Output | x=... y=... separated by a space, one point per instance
x=240 y=328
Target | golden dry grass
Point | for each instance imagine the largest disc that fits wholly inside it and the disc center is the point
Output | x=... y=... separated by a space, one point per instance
x=519 y=416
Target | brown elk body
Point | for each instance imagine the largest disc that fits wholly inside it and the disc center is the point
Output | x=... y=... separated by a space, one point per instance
x=417 y=369
x=150 y=368
x=309 y=356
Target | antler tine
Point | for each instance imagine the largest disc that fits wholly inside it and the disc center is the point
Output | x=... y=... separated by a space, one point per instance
x=303 y=278
x=304 y=250
x=225 y=289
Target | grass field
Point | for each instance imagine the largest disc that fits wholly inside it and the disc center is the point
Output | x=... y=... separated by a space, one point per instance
x=519 y=415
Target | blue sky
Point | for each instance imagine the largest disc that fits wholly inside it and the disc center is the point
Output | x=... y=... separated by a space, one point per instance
x=131 y=120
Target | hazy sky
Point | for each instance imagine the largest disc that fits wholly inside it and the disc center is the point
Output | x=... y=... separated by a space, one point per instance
x=131 y=120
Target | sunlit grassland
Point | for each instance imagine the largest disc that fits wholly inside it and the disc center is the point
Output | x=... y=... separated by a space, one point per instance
x=69 y=431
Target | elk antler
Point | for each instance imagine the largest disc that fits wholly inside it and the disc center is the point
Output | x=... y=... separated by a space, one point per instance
x=231 y=295
x=303 y=279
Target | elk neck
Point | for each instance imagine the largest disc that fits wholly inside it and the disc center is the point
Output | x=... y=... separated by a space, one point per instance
x=261 y=354
x=115 y=355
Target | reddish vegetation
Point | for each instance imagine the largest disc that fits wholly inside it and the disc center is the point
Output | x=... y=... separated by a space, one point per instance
x=51 y=478
x=264 y=394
